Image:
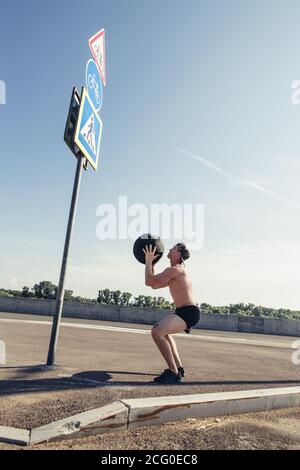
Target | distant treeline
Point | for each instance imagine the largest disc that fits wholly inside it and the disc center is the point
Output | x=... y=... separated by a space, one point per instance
x=48 y=290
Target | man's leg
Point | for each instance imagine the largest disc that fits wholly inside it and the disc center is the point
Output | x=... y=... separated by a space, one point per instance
x=174 y=350
x=171 y=324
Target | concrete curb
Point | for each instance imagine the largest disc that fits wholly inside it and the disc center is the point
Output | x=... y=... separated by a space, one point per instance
x=109 y=418
x=142 y=412
x=15 y=436
x=154 y=411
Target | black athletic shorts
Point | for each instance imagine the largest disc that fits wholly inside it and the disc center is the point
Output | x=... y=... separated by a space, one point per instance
x=190 y=314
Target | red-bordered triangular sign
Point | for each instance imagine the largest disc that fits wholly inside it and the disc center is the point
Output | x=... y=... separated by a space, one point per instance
x=97 y=46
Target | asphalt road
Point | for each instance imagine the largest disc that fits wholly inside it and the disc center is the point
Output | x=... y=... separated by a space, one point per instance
x=104 y=361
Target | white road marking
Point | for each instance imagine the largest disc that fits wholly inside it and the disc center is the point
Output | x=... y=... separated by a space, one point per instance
x=117 y=329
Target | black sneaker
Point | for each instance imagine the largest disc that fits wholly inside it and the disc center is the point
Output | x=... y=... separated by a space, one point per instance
x=166 y=371
x=180 y=370
x=168 y=377
x=158 y=377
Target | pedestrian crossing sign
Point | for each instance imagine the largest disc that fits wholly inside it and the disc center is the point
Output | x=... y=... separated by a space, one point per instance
x=88 y=130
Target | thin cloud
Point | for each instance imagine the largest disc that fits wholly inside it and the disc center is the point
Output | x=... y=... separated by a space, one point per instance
x=251 y=184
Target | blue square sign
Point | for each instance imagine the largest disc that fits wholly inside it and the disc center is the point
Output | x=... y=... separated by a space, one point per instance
x=88 y=130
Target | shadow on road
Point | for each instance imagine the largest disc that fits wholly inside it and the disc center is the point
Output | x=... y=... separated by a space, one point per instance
x=22 y=382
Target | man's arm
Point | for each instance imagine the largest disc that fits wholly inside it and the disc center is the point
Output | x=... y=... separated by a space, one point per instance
x=159 y=280
x=149 y=272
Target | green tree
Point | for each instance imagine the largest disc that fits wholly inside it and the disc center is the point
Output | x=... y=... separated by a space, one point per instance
x=116 y=297
x=104 y=296
x=45 y=290
x=139 y=301
x=148 y=301
x=26 y=292
x=14 y=293
x=68 y=295
x=4 y=293
x=125 y=298
x=206 y=308
x=257 y=311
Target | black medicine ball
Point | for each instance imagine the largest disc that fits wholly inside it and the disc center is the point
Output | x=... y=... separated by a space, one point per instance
x=146 y=240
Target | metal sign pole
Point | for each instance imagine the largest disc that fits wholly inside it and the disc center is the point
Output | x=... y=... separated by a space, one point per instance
x=60 y=291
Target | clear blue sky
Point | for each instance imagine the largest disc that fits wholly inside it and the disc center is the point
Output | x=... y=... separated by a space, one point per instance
x=210 y=77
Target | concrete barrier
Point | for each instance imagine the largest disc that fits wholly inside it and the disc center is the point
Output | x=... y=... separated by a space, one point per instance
x=130 y=414
x=159 y=410
x=217 y=321
x=14 y=436
x=109 y=418
x=148 y=316
x=251 y=324
x=92 y=311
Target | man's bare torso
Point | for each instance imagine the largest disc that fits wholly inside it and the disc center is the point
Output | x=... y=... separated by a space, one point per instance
x=181 y=288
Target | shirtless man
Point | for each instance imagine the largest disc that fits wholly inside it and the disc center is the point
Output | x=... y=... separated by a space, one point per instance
x=187 y=313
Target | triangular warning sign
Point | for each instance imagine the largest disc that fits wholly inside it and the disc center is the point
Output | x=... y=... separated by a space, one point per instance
x=88 y=133
x=97 y=46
